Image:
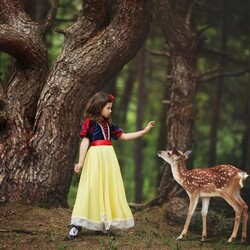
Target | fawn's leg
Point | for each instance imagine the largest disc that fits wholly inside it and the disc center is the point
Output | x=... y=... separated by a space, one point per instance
x=192 y=206
x=245 y=218
x=230 y=198
x=204 y=210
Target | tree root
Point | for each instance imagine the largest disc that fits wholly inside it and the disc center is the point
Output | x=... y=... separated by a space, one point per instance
x=20 y=231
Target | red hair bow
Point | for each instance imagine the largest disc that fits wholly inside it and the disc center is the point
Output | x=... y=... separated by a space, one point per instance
x=111 y=97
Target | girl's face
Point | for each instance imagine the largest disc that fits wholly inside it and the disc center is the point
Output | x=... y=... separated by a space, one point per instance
x=106 y=110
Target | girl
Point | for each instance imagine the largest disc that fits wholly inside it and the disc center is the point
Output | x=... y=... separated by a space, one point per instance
x=101 y=201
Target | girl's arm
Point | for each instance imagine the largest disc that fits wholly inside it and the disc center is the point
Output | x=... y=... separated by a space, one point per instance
x=137 y=134
x=83 y=150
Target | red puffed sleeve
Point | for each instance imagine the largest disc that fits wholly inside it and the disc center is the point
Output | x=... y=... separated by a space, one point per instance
x=115 y=131
x=85 y=129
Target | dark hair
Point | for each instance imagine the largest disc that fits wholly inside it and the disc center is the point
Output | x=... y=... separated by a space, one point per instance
x=95 y=105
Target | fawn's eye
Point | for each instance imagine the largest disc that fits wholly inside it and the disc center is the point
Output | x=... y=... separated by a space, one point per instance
x=168 y=153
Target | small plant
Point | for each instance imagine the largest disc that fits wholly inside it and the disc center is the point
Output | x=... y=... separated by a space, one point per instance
x=16 y=240
x=51 y=235
x=175 y=245
x=62 y=246
x=112 y=243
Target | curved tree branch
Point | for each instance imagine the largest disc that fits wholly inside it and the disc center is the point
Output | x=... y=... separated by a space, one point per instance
x=93 y=18
x=22 y=46
x=10 y=10
x=47 y=24
x=21 y=38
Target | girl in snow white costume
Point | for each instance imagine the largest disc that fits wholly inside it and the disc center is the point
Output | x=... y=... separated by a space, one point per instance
x=101 y=202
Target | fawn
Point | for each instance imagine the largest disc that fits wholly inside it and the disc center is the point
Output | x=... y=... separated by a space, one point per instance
x=223 y=180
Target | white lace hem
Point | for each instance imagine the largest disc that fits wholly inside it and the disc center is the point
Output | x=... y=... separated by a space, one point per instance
x=102 y=226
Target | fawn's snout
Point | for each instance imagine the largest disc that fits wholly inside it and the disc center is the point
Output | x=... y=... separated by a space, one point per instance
x=164 y=155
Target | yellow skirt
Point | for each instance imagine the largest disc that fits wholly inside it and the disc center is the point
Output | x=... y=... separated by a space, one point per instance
x=101 y=200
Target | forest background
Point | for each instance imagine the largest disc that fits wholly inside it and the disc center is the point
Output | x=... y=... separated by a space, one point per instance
x=225 y=89
x=141 y=90
x=183 y=63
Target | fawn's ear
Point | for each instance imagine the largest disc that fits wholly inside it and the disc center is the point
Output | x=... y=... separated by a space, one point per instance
x=188 y=153
x=175 y=151
x=176 y=154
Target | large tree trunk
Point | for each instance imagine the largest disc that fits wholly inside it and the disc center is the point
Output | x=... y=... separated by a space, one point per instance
x=174 y=20
x=246 y=145
x=39 y=137
x=216 y=99
x=138 y=154
x=127 y=94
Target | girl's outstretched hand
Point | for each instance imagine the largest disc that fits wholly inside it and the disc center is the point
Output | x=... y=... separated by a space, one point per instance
x=78 y=168
x=149 y=126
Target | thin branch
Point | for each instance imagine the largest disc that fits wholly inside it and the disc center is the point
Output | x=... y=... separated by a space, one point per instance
x=209 y=72
x=23 y=231
x=220 y=53
x=168 y=102
x=63 y=20
x=227 y=74
x=60 y=31
x=136 y=206
x=50 y=17
x=201 y=31
x=158 y=53
x=189 y=14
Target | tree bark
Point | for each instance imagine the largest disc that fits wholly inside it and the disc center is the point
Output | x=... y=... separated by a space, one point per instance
x=44 y=110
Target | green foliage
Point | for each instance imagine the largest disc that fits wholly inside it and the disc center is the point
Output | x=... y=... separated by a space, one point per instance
x=67 y=14
x=62 y=246
x=73 y=190
x=5 y=67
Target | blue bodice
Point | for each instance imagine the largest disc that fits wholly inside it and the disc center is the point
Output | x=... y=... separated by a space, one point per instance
x=100 y=130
